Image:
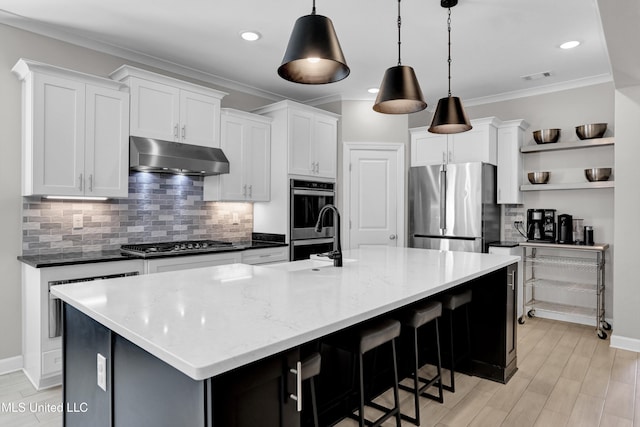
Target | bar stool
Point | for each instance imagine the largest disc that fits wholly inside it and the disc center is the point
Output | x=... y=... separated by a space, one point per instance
x=451 y=302
x=310 y=368
x=372 y=336
x=414 y=319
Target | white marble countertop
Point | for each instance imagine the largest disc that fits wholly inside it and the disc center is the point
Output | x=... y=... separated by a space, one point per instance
x=207 y=321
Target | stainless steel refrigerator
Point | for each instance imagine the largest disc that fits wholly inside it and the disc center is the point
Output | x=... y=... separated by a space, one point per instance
x=453 y=207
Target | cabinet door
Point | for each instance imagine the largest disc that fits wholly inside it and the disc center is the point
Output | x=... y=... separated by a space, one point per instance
x=107 y=142
x=428 y=148
x=258 y=394
x=476 y=145
x=509 y=165
x=155 y=110
x=199 y=119
x=188 y=262
x=257 y=164
x=300 y=139
x=233 y=185
x=58 y=137
x=325 y=146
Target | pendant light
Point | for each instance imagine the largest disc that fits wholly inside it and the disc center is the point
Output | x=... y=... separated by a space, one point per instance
x=400 y=92
x=313 y=55
x=450 y=116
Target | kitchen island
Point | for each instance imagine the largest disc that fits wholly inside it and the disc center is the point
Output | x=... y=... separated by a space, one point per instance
x=210 y=346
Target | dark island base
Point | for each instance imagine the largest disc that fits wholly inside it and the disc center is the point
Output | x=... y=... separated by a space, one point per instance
x=144 y=391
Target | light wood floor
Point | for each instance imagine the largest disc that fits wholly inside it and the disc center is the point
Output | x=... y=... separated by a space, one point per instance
x=566 y=377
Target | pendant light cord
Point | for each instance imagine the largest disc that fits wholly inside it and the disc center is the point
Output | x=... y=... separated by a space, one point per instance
x=449 y=58
x=399 y=25
x=313 y=10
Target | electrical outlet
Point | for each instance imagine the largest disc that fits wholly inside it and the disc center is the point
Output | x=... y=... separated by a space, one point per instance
x=77 y=221
x=102 y=372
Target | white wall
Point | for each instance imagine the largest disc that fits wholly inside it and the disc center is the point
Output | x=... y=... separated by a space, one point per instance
x=626 y=298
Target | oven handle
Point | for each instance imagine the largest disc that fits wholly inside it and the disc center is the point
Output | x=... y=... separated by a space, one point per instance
x=323 y=193
x=307 y=242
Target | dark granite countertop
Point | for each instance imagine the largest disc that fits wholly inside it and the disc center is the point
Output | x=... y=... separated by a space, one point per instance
x=259 y=241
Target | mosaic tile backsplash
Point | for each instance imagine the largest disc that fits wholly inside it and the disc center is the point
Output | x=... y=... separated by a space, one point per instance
x=511 y=214
x=160 y=207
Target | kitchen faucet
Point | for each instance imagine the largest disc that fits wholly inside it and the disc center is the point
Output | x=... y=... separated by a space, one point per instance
x=336 y=254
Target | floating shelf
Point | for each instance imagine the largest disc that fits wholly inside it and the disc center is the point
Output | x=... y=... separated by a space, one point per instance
x=567 y=186
x=586 y=143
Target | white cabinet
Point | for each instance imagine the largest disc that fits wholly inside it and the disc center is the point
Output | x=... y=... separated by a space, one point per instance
x=75 y=133
x=477 y=145
x=310 y=138
x=170 y=109
x=161 y=265
x=265 y=255
x=42 y=352
x=510 y=139
x=246 y=141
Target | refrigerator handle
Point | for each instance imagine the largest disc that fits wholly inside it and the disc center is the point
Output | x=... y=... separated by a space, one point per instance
x=443 y=200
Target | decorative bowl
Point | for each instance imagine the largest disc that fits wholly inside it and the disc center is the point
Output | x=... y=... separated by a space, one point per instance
x=546 y=136
x=594 y=130
x=538 y=177
x=597 y=174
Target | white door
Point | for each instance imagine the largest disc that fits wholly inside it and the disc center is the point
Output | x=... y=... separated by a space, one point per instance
x=374 y=198
x=233 y=183
x=199 y=119
x=325 y=146
x=258 y=160
x=300 y=140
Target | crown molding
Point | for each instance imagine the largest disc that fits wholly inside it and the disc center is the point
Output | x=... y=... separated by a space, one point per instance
x=47 y=30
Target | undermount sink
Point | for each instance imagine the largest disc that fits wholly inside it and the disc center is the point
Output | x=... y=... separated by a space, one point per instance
x=307 y=264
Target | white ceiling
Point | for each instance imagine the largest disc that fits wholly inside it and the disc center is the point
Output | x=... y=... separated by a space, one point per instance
x=494 y=42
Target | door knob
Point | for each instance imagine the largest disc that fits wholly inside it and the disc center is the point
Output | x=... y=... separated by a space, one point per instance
x=392 y=237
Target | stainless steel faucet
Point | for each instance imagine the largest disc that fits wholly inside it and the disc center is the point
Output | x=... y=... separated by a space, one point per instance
x=336 y=254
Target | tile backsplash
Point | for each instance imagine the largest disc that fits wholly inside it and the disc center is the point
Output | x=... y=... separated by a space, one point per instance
x=160 y=207
x=511 y=214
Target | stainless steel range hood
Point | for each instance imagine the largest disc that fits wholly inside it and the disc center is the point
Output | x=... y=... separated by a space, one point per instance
x=155 y=155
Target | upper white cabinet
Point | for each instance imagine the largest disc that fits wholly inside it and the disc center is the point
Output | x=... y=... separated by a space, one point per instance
x=75 y=133
x=170 y=109
x=311 y=137
x=477 y=145
x=510 y=139
x=246 y=141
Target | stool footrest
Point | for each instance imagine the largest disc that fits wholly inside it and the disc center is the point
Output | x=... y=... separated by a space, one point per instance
x=389 y=413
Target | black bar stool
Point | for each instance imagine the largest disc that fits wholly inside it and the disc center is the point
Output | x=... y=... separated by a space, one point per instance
x=372 y=336
x=311 y=368
x=413 y=319
x=451 y=302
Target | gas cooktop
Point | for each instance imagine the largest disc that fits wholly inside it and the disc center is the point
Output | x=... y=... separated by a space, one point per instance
x=146 y=250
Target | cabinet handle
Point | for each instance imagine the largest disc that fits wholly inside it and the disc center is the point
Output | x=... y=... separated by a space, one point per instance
x=184 y=132
x=512 y=282
x=244 y=191
x=444 y=157
x=392 y=237
x=317 y=167
x=251 y=191
x=450 y=156
x=298 y=395
x=175 y=131
x=81 y=182
x=91 y=183
x=313 y=167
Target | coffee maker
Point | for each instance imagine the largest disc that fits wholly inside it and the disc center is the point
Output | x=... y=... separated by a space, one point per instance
x=565 y=229
x=541 y=225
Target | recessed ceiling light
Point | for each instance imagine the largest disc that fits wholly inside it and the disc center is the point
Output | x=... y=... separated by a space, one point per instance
x=570 y=45
x=373 y=90
x=250 y=36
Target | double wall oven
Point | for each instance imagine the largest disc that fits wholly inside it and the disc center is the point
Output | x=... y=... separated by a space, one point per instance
x=306 y=200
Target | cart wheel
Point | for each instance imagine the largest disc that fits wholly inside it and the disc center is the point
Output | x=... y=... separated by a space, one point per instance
x=521 y=320
x=531 y=313
x=606 y=326
x=602 y=335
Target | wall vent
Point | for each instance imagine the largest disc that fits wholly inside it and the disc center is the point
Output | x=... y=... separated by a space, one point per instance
x=537 y=76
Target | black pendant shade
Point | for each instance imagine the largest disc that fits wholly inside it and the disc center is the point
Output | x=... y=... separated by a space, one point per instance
x=450 y=117
x=400 y=92
x=313 y=54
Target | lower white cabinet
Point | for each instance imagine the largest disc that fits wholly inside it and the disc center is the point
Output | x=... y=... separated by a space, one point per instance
x=161 y=265
x=510 y=139
x=265 y=255
x=246 y=141
x=42 y=350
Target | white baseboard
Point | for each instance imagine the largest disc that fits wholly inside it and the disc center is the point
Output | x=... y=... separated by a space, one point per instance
x=10 y=364
x=624 y=343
